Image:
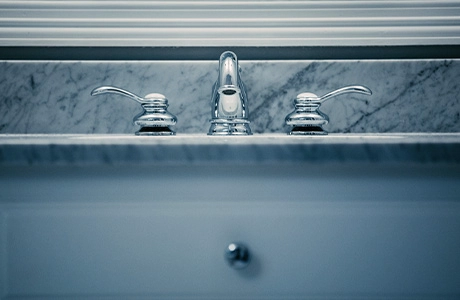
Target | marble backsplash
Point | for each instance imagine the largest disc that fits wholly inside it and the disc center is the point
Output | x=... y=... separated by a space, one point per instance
x=54 y=96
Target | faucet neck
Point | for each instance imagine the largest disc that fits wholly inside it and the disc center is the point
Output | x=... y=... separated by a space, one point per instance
x=228 y=70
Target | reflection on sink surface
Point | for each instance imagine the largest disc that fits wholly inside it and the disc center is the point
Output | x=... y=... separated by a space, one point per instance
x=339 y=216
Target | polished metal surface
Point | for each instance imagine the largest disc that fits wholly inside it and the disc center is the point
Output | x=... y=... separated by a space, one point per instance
x=154 y=119
x=307 y=119
x=229 y=111
x=237 y=255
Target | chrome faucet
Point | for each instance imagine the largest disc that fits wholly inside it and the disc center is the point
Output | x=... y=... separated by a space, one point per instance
x=307 y=119
x=154 y=118
x=229 y=108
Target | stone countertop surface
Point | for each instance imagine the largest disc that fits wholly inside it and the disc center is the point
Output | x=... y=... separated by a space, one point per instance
x=124 y=149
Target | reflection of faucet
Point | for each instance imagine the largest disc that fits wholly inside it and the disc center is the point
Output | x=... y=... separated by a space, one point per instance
x=229 y=110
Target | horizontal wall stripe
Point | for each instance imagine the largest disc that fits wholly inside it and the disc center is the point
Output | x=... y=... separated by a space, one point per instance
x=244 y=53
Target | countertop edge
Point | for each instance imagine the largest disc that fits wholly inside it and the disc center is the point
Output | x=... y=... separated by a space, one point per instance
x=201 y=149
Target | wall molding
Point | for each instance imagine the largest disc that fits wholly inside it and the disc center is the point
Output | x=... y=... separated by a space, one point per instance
x=67 y=23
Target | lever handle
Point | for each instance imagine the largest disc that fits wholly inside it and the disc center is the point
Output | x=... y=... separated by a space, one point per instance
x=150 y=98
x=312 y=98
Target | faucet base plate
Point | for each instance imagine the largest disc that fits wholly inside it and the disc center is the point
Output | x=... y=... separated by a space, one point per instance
x=155 y=130
x=308 y=130
x=229 y=127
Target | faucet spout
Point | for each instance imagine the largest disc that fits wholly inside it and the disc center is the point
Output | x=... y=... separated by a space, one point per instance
x=228 y=73
x=229 y=111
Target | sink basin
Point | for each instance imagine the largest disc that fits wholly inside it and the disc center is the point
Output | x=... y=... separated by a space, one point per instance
x=125 y=217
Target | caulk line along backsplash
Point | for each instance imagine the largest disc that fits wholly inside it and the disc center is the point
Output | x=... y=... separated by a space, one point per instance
x=54 y=96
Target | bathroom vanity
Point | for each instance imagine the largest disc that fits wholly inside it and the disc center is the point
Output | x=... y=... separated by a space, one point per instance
x=360 y=216
x=88 y=210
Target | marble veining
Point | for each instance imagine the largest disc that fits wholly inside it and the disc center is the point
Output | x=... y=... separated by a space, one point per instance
x=54 y=96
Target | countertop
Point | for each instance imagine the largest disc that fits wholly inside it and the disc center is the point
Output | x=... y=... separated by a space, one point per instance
x=120 y=149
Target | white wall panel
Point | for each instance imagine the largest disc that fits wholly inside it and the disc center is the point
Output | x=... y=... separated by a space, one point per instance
x=229 y=23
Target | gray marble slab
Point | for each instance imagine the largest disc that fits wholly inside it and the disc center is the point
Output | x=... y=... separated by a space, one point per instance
x=189 y=149
x=54 y=96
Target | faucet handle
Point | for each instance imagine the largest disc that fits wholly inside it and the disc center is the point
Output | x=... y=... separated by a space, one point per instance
x=307 y=119
x=312 y=98
x=154 y=119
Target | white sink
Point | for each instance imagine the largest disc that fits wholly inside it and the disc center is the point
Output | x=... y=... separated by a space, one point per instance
x=383 y=227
